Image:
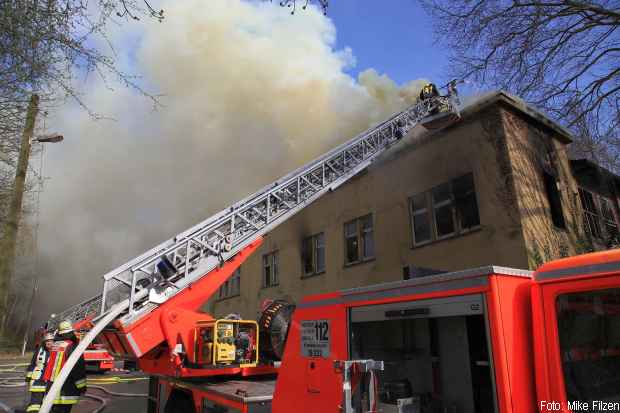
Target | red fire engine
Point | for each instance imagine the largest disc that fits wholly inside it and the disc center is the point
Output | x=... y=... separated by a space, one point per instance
x=488 y=339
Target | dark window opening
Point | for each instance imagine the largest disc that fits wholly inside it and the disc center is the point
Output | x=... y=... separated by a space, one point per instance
x=554 y=199
x=465 y=201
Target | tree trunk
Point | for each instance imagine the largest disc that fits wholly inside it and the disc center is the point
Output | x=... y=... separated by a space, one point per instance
x=7 y=245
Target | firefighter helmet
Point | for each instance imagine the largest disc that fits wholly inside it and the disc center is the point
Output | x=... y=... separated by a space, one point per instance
x=65 y=327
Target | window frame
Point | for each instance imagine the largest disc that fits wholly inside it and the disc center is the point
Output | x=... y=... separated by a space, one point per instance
x=314 y=247
x=588 y=214
x=431 y=207
x=360 y=239
x=272 y=258
x=602 y=221
x=608 y=220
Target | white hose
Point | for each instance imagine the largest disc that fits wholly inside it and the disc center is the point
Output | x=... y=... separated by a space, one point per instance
x=101 y=400
x=113 y=393
x=48 y=401
x=6 y=408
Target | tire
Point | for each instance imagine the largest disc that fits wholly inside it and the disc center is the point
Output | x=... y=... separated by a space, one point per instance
x=179 y=402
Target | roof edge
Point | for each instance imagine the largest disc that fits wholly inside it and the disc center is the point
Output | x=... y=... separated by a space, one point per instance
x=487 y=99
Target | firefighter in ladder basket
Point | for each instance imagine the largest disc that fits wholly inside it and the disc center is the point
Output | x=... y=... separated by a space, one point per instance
x=429 y=96
x=75 y=386
x=37 y=384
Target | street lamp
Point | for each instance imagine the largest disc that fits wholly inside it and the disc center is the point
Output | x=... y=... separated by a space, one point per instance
x=51 y=138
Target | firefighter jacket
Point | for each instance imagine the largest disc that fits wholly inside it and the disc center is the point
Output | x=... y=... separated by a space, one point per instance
x=75 y=384
x=34 y=372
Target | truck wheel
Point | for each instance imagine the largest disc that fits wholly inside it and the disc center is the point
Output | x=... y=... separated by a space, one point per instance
x=179 y=402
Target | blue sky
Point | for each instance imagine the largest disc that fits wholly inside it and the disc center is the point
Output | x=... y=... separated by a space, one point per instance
x=394 y=37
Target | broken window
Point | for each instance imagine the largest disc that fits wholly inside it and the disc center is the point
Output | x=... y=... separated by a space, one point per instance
x=359 y=240
x=555 y=200
x=313 y=254
x=270 y=269
x=446 y=210
x=608 y=217
x=590 y=213
x=598 y=216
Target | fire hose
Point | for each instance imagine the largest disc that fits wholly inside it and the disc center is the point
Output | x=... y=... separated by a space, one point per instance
x=77 y=353
x=103 y=401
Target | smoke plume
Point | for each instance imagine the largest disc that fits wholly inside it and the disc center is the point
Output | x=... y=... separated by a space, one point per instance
x=248 y=92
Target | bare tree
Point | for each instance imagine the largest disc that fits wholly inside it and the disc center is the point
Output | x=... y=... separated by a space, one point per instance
x=562 y=56
x=44 y=44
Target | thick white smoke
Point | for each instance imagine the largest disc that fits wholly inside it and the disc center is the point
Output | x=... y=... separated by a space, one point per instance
x=249 y=92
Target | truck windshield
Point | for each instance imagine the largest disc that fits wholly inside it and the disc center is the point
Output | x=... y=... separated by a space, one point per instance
x=589 y=329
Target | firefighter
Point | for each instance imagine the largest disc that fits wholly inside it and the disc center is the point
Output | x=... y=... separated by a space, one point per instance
x=75 y=385
x=38 y=384
x=429 y=91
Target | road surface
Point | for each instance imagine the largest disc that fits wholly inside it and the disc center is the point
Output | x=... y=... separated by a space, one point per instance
x=16 y=397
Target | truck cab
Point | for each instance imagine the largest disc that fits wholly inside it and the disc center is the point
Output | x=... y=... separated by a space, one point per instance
x=490 y=339
x=576 y=308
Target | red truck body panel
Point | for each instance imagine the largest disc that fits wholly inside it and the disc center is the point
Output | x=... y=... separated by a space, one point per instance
x=519 y=310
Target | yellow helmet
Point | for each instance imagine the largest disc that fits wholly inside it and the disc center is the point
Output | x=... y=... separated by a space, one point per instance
x=65 y=327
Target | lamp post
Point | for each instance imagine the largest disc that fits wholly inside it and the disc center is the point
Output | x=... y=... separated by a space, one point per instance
x=11 y=225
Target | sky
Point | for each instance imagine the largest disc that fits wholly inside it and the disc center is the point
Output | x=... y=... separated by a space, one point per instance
x=248 y=94
x=396 y=40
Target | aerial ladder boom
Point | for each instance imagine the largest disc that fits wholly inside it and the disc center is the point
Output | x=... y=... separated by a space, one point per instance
x=143 y=286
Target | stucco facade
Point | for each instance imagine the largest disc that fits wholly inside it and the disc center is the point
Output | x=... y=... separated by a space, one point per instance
x=497 y=142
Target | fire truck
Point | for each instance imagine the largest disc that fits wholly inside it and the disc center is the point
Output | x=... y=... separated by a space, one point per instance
x=488 y=339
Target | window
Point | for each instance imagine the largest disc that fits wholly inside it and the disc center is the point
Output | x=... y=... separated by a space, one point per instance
x=359 y=240
x=445 y=211
x=598 y=216
x=590 y=213
x=608 y=217
x=589 y=331
x=232 y=286
x=313 y=254
x=270 y=270
x=554 y=199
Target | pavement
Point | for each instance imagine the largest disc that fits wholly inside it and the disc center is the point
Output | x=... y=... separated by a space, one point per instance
x=14 y=396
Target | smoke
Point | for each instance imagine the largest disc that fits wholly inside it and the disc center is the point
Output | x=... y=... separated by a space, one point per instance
x=249 y=93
